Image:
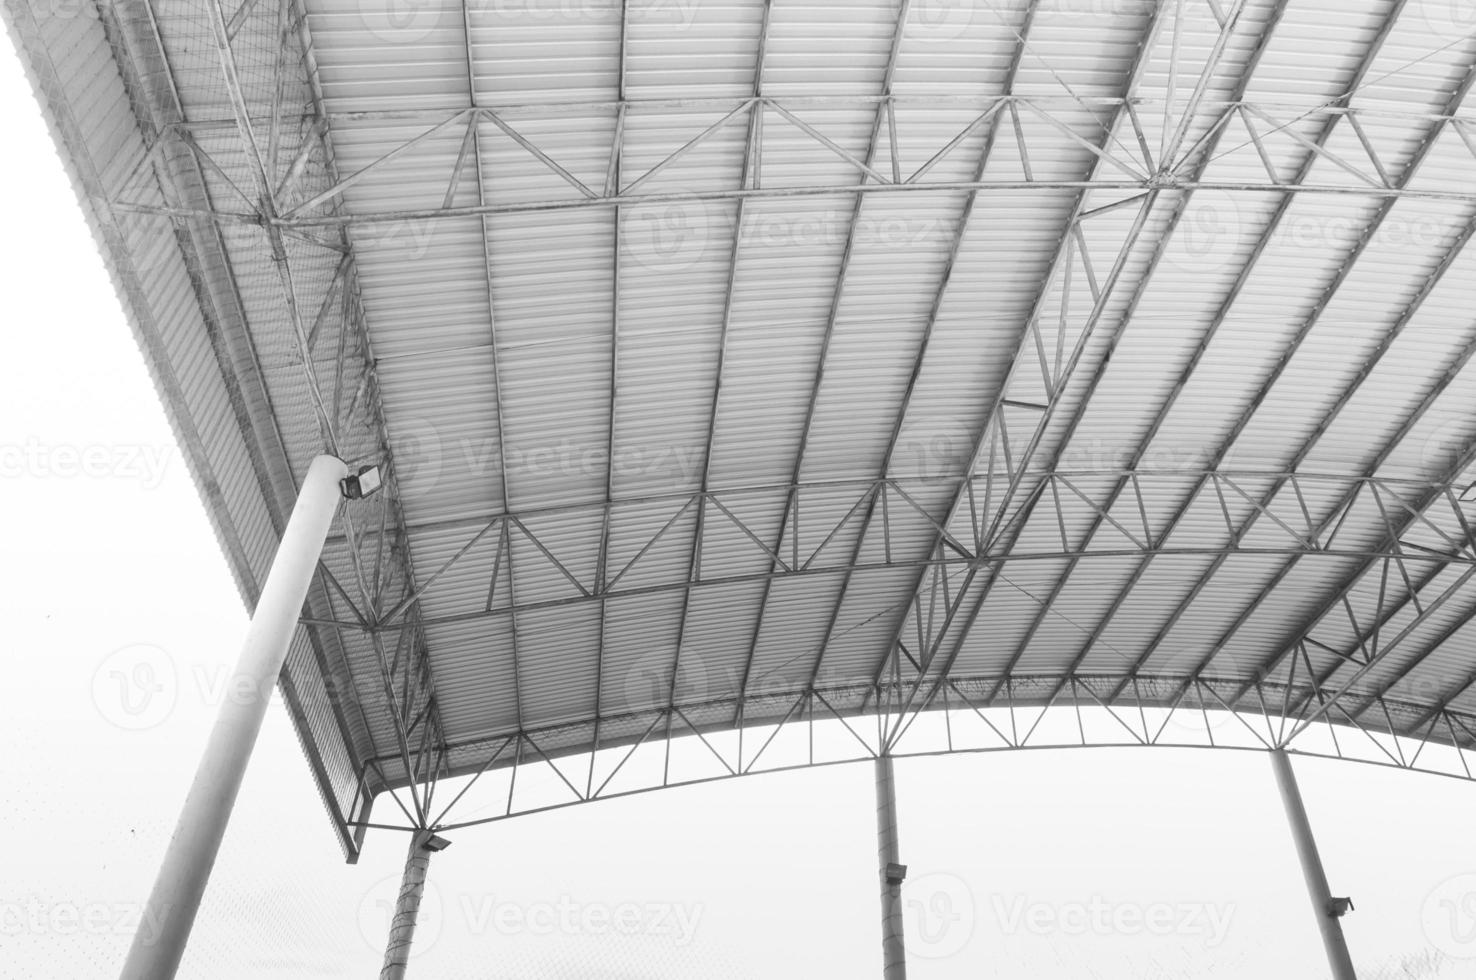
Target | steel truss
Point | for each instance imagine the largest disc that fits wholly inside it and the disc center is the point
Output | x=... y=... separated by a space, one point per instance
x=1059 y=500
x=279 y=176
x=368 y=567
x=258 y=193
x=675 y=746
x=1266 y=133
x=1301 y=702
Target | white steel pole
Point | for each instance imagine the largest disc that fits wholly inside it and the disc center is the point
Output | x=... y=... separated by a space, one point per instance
x=1312 y=871
x=407 y=908
x=172 y=905
x=891 y=872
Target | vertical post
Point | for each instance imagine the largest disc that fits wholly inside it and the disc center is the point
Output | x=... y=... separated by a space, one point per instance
x=891 y=872
x=170 y=912
x=407 y=906
x=1312 y=871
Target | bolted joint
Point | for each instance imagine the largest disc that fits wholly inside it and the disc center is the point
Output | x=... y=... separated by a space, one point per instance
x=1163 y=178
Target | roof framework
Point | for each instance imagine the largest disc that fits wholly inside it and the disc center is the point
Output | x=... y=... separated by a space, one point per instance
x=740 y=366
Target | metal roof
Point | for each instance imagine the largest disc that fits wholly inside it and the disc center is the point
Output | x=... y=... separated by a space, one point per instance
x=737 y=362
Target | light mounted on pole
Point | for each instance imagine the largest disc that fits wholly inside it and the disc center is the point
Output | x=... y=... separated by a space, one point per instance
x=365 y=483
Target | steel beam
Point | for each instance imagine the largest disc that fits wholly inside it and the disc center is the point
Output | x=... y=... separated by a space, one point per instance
x=407 y=906
x=1328 y=925
x=1411 y=419
x=1144 y=489
x=874 y=144
x=748 y=176
x=1206 y=147
x=207 y=809
x=891 y=872
x=994 y=426
x=934 y=312
x=320 y=211
x=785 y=713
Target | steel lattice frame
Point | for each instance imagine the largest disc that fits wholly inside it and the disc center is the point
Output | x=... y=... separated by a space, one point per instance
x=274 y=199
x=1263 y=127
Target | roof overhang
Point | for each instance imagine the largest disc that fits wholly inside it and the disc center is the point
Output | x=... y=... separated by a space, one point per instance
x=728 y=361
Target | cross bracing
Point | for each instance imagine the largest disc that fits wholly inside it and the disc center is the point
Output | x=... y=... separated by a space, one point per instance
x=1102 y=355
x=529 y=772
x=1269 y=146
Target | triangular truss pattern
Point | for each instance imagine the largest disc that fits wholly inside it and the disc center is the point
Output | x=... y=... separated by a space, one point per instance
x=962 y=394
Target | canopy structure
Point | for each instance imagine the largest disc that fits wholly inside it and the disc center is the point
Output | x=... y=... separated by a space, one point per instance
x=735 y=365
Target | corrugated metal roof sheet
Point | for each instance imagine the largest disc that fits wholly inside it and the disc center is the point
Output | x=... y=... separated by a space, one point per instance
x=728 y=353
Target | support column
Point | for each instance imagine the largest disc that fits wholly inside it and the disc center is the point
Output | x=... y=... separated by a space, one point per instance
x=891 y=872
x=407 y=905
x=1317 y=887
x=172 y=905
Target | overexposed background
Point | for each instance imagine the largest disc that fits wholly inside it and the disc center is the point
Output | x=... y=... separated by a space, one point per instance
x=121 y=623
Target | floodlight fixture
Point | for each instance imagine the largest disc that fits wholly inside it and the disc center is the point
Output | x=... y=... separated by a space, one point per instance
x=365 y=483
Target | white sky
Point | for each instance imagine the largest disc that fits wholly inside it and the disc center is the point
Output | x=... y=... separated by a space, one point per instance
x=1109 y=863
